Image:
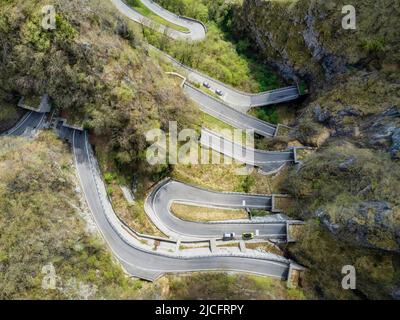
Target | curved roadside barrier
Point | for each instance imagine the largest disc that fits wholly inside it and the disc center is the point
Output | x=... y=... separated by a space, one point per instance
x=27 y=124
x=196 y=29
x=158 y=208
x=239 y=100
x=140 y=260
x=268 y=161
x=227 y=114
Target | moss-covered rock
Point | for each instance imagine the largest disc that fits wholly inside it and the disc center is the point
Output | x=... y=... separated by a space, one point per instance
x=305 y=37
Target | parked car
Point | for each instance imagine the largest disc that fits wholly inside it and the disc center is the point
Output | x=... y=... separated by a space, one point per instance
x=219 y=92
x=228 y=236
x=207 y=85
x=248 y=235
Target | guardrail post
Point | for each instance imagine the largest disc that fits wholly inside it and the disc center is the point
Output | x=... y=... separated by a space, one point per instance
x=296 y=160
x=273 y=203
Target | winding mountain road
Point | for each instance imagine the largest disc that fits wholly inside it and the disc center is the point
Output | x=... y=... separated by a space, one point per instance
x=268 y=161
x=143 y=262
x=30 y=121
x=137 y=259
x=196 y=30
x=237 y=99
x=160 y=200
x=229 y=115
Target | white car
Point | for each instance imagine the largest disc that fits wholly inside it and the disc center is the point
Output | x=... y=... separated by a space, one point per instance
x=219 y=92
x=207 y=85
x=228 y=236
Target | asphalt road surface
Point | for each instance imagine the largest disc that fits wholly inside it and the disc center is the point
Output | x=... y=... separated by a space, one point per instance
x=239 y=100
x=168 y=192
x=196 y=29
x=30 y=121
x=242 y=101
x=267 y=161
x=139 y=261
x=229 y=115
x=144 y=263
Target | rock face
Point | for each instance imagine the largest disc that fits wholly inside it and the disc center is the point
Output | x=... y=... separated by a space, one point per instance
x=395 y=148
x=371 y=224
x=350 y=184
x=305 y=38
x=321 y=115
x=383 y=131
x=330 y=63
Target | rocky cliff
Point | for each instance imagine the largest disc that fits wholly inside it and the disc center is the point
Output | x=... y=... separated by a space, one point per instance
x=347 y=190
x=305 y=38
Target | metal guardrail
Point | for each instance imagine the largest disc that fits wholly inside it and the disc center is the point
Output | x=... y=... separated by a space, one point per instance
x=195 y=20
x=165 y=254
x=228 y=106
x=187 y=68
x=178 y=16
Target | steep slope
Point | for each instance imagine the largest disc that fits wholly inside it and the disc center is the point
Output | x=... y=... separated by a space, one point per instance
x=347 y=189
x=95 y=70
x=305 y=37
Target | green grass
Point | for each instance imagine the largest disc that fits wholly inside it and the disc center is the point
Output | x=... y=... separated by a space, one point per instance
x=303 y=88
x=214 y=123
x=221 y=54
x=141 y=8
x=32 y=101
x=225 y=286
x=268 y=114
x=220 y=58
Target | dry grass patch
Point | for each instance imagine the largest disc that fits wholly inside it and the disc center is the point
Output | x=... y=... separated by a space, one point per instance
x=132 y=214
x=295 y=231
x=202 y=214
x=265 y=246
x=283 y=203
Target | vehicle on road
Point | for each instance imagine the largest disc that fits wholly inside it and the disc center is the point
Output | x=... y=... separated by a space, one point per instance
x=207 y=85
x=248 y=236
x=219 y=92
x=228 y=236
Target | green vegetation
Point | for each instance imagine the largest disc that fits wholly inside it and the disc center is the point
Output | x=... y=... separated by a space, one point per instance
x=96 y=70
x=96 y=73
x=219 y=55
x=322 y=185
x=372 y=45
x=324 y=257
x=38 y=196
x=224 y=286
x=8 y=116
x=223 y=177
x=347 y=190
x=362 y=216
x=303 y=88
x=268 y=114
x=141 y=8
